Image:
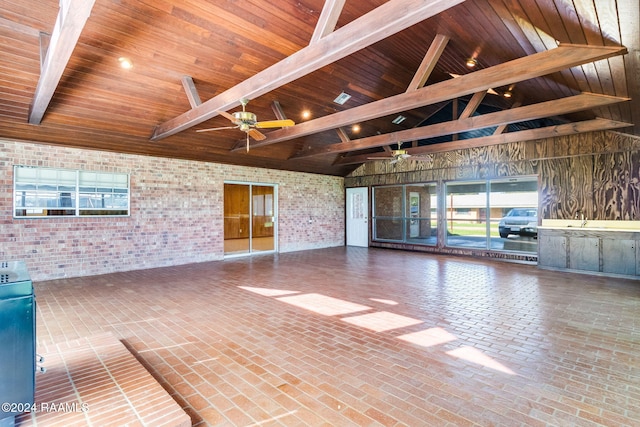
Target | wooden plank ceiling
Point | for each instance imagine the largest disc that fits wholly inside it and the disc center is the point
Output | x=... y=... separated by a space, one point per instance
x=570 y=66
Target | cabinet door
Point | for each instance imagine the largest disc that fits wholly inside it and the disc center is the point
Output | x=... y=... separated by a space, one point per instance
x=552 y=251
x=584 y=253
x=619 y=256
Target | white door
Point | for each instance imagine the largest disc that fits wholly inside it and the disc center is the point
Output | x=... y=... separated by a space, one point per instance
x=357 y=217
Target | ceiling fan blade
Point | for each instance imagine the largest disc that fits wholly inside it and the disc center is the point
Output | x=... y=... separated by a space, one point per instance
x=256 y=134
x=227 y=115
x=275 y=124
x=222 y=128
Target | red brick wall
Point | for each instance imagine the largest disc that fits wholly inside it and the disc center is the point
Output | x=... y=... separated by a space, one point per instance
x=176 y=213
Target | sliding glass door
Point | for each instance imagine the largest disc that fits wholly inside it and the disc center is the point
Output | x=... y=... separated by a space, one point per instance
x=249 y=218
x=499 y=214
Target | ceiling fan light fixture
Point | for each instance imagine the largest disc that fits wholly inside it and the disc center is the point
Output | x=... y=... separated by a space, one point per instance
x=342 y=98
x=245 y=117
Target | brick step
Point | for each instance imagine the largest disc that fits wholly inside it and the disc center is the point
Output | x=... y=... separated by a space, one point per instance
x=97 y=381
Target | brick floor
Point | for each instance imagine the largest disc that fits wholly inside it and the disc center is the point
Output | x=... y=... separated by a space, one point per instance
x=97 y=381
x=367 y=337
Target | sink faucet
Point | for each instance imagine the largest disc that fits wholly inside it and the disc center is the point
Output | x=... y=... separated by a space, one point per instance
x=582 y=218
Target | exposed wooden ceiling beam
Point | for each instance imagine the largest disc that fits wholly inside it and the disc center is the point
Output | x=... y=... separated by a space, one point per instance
x=471 y=107
x=523 y=135
x=342 y=134
x=473 y=104
x=278 y=111
x=71 y=19
x=597 y=124
x=382 y=22
x=45 y=39
x=503 y=127
x=567 y=105
x=528 y=67
x=328 y=19
x=428 y=62
x=191 y=91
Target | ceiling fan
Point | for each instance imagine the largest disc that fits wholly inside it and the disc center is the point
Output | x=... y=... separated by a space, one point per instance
x=248 y=123
x=396 y=155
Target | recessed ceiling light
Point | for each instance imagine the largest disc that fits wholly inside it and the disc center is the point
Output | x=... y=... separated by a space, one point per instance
x=125 y=62
x=471 y=62
x=398 y=120
x=355 y=128
x=306 y=114
x=342 y=98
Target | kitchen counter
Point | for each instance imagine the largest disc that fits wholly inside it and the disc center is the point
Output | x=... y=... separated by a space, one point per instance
x=609 y=249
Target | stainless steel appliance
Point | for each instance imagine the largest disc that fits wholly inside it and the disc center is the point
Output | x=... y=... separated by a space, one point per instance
x=17 y=341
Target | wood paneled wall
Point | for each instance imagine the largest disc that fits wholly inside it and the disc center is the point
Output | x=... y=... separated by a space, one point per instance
x=597 y=173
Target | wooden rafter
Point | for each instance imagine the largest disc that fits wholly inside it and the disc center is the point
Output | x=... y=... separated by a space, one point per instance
x=473 y=104
x=328 y=19
x=567 y=105
x=428 y=62
x=343 y=135
x=503 y=127
x=278 y=111
x=471 y=107
x=191 y=91
x=528 y=67
x=382 y=22
x=523 y=135
x=71 y=19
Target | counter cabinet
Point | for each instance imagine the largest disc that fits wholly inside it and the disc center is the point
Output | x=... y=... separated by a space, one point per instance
x=605 y=251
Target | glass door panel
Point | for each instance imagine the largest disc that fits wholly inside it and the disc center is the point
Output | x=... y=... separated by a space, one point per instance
x=388 y=213
x=236 y=218
x=262 y=218
x=421 y=218
x=466 y=210
x=249 y=218
x=514 y=214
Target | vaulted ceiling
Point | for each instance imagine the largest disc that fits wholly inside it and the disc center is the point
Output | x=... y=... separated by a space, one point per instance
x=570 y=66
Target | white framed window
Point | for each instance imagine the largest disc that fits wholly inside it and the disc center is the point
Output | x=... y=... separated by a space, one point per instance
x=49 y=192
